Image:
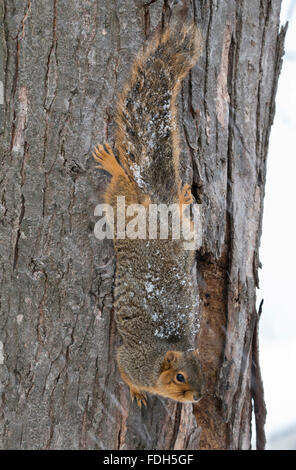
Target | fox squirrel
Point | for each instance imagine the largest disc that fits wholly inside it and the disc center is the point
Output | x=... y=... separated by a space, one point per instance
x=154 y=298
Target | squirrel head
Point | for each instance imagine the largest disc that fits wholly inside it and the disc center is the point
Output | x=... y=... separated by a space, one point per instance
x=181 y=377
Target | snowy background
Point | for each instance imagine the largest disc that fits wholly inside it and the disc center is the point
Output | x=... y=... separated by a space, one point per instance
x=277 y=254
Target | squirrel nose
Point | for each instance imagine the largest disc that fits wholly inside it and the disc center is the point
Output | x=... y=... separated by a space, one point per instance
x=195 y=398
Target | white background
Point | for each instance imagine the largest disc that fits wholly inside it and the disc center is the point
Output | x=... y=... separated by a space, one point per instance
x=277 y=254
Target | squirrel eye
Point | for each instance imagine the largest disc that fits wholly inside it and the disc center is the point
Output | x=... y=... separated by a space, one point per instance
x=180 y=378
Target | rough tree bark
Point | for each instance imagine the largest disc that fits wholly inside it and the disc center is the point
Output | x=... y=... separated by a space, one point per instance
x=62 y=64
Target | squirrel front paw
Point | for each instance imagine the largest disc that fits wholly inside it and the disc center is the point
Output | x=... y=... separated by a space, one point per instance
x=141 y=397
x=107 y=160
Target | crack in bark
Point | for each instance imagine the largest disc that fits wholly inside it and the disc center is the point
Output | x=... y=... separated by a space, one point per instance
x=51 y=418
x=239 y=398
x=222 y=100
x=146 y=20
x=257 y=389
x=16 y=249
x=83 y=438
x=52 y=62
x=6 y=49
x=264 y=15
x=13 y=91
x=207 y=64
x=41 y=331
x=176 y=425
x=223 y=381
x=25 y=18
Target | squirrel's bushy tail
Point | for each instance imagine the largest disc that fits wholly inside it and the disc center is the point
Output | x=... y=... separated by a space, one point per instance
x=147 y=132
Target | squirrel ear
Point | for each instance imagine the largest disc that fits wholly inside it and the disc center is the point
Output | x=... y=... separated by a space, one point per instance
x=169 y=359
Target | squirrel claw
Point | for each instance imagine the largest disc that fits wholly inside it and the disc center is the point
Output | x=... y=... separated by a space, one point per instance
x=186 y=196
x=107 y=160
x=100 y=154
x=140 y=397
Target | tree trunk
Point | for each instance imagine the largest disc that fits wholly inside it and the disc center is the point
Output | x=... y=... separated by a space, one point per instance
x=62 y=64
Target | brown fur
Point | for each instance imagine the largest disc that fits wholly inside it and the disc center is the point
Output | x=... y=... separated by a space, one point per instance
x=154 y=85
x=166 y=384
x=157 y=326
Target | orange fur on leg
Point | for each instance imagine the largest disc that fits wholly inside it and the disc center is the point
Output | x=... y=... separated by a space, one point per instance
x=135 y=392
